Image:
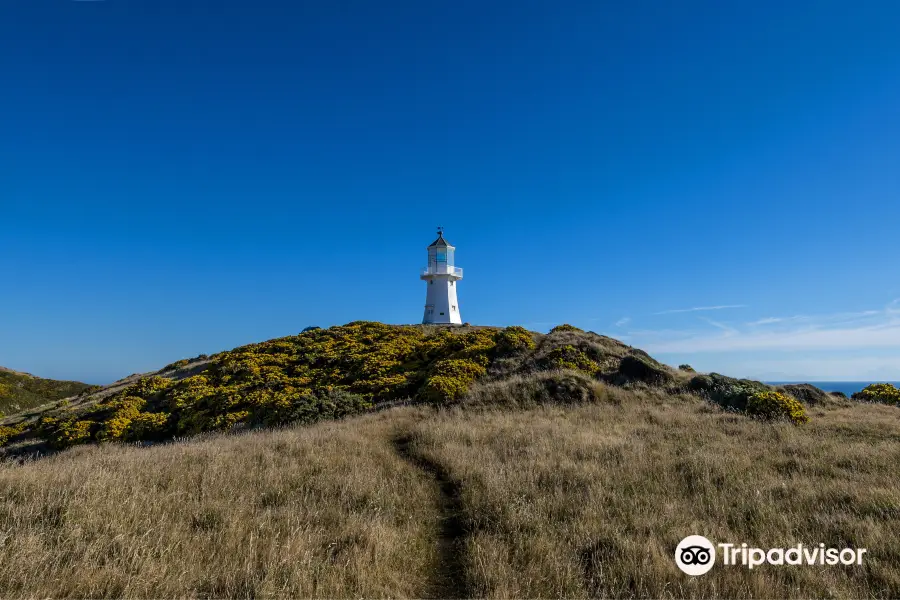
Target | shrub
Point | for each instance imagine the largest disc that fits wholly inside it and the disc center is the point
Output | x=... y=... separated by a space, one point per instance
x=176 y=365
x=120 y=413
x=565 y=327
x=513 y=340
x=638 y=368
x=450 y=380
x=62 y=434
x=727 y=392
x=229 y=420
x=147 y=426
x=775 y=405
x=9 y=431
x=687 y=367
x=439 y=389
x=883 y=393
x=308 y=407
x=806 y=393
x=459 y=368
x=570 y=357
x=147 y=386
x=337 y=404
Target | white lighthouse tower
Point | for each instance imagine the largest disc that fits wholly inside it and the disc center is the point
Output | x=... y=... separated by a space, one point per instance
x=441 y=305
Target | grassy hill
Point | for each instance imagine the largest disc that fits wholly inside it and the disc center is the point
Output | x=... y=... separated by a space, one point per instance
x=341 y=371
x=21 y=391
x=445 y=462
x=321 y=374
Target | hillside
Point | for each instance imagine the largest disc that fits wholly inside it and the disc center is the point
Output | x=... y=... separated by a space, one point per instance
x=418 y=461
x=318 y=374
x=362 y=366
x=21 y=391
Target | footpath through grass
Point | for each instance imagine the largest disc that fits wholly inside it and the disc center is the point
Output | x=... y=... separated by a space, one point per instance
x=583 y=500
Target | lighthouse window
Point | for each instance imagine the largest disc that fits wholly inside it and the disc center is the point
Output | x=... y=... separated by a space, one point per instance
x=442 y=257
x=431 y=282
x=442 y=314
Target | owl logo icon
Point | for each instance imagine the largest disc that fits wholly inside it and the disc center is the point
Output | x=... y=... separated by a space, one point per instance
x=695 y=555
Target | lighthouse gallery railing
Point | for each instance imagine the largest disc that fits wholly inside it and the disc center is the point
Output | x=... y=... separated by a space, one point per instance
x=441 y=270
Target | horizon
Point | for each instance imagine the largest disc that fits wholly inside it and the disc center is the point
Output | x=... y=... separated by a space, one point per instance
x=716 y=185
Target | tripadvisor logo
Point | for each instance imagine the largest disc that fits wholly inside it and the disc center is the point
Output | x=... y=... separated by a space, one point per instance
x=695 y=555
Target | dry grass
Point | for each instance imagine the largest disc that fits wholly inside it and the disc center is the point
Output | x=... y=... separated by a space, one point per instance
x=592 y=500
x=329 y=511
x=576 y=501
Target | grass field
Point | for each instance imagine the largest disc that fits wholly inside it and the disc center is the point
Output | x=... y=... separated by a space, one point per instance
x=582 y=500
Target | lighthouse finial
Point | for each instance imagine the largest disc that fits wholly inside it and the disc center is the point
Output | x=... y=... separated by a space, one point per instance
x=440 y=230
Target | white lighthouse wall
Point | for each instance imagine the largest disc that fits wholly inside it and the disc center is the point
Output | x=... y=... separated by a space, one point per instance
x=441 y=298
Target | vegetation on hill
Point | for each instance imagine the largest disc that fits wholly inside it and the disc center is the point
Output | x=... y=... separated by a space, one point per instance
x=336 y=372
x=21 y=391
x=884 y=393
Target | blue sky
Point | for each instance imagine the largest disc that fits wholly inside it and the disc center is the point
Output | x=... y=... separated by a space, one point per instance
x=715 y=182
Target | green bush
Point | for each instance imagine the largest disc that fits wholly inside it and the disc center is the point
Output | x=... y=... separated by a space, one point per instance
x=63 y=433
x=148 y=426
x=687 y=367
x=727 y=392
x=176 y=365
x=120 y=412
x=440 y=389
x=565 y=327
x=570 y=357
x=450 y=380
x=513 y=340
x=806 y=394
x=458 y=368
x=883 y=393
x=775 y=405
x=637 y=367
x=147 y=386
x=10 y=431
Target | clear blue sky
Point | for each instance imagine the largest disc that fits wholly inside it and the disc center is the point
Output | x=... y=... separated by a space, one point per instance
x=182 y=177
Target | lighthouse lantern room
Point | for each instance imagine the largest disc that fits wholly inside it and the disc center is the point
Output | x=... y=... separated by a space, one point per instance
x=441 y=305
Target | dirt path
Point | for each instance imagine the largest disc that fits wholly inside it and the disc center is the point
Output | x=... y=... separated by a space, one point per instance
x=449 y=578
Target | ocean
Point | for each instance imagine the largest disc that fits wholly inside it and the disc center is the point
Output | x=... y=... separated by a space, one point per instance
x=848 y=387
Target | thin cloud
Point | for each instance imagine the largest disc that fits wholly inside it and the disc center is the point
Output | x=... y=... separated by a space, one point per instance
x=810 y=339
x=699 y=308
x=726 y=328
x=846 y=317
x=623 y=321
x=838 y=331
x=770 y=321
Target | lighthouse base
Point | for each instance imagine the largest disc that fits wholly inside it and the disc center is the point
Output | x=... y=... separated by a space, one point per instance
x=441 y=305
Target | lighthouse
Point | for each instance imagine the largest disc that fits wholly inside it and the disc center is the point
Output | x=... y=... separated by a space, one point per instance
x=441 y=305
